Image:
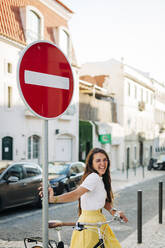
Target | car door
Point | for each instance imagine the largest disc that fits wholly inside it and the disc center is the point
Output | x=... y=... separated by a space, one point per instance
x=33 y=178
x=13 y=192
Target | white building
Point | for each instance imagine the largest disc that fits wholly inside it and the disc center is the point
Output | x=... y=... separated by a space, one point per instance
x=159 y=116
x=98 y=126
x=134 y=94
x=21 y=133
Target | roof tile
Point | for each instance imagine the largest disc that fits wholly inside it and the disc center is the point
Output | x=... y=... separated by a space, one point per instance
x=10 y=21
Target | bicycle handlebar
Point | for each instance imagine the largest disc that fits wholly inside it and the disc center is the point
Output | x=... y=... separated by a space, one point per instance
x=57 y=223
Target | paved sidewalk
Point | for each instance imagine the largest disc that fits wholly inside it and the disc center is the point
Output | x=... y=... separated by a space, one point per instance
x=121 y=180
x=153 y=233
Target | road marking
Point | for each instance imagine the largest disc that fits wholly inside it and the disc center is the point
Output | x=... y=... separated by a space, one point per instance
x=46 y=80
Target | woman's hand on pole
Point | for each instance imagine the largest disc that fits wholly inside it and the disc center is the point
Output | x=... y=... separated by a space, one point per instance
x=51 y=198
x=50 y=194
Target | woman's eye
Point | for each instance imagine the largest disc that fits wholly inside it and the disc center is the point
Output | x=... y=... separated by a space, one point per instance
x=99 y=160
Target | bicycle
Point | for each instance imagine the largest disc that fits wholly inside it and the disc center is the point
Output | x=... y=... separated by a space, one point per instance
x=79 y=226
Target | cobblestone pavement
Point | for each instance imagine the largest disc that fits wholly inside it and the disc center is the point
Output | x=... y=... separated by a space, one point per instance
x=153 y=234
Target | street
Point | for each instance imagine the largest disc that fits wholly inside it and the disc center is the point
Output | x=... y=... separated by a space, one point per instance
x=22 y=222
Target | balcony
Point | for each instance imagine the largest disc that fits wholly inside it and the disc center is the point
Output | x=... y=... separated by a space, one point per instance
x=141 y=106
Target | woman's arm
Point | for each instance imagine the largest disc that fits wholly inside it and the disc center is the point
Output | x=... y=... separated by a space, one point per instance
x=67 y=197
x=108 y=207
x=112 y=211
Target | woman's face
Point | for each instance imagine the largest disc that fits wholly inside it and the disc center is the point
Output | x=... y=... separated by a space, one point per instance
x=100 y=163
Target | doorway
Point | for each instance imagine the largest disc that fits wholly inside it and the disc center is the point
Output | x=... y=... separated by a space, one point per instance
x=63 y=150
x=7 y=148
x=128 y=158
x=141 y=152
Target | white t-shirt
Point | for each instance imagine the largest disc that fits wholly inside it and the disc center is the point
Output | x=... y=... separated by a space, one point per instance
x=95 y=198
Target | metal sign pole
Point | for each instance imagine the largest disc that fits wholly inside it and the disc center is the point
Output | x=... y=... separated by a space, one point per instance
x=45 y=187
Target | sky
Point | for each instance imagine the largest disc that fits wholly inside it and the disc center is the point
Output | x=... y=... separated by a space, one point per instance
x=130 y=29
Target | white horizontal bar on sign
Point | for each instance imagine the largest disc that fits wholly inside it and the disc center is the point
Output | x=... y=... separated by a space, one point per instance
x=47 y=80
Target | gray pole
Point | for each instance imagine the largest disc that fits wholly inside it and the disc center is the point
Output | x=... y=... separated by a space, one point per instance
x=139 y=217
x=160 y=202
x=45 y=187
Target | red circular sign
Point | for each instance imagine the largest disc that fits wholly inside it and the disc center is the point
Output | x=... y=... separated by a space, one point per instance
x=45 y=79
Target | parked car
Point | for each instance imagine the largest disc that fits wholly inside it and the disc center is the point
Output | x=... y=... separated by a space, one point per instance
x=65 y=177
x=157 y=163
x=19 y=184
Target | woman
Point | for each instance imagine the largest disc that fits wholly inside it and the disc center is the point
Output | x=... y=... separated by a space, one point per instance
x=94 y=193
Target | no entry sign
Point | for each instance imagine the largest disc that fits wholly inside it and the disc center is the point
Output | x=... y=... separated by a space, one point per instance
x=45 y=79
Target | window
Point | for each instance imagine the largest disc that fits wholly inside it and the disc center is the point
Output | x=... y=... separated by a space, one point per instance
x=81 y=168
x=9 y=67
x=33 y=147
x=64 y=42
x=32 y=170
x=151 y=151
x=146 y=96
x=151 y=98
x=29 y=148
x=74 y=170
x=135 y=88
x=34 y=26
x=135 y=152
x=129 y=89
x=9 y=98
x=15 y=171
x=141 y=94
x=77 y=168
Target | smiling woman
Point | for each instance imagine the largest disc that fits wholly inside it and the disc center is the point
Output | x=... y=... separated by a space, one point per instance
x=94 y=194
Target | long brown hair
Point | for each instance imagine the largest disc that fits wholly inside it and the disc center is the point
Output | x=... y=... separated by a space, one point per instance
x=106 y=177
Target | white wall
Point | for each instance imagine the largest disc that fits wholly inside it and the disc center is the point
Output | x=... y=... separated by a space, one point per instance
x=16 y=124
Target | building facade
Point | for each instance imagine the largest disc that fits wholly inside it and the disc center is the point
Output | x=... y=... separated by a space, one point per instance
x=135 y=95
x=21 y=133
x=98 y=120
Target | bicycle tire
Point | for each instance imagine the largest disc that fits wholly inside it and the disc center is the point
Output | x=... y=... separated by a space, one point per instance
x=60 y=244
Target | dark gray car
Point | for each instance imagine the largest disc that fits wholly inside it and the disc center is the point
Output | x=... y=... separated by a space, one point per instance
x=19 y=184
x=157 y=163
x=66 y=176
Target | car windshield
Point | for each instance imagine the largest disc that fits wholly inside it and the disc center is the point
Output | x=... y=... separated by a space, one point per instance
x=57 y=169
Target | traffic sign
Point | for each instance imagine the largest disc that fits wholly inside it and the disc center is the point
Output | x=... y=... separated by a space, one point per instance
x=45 y=79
